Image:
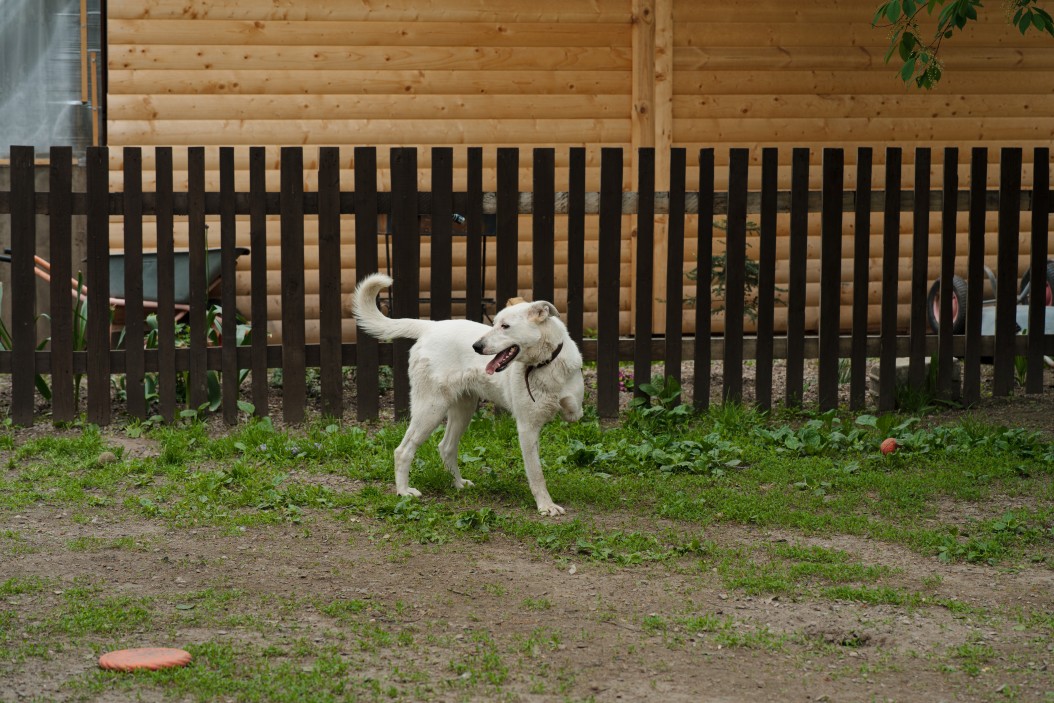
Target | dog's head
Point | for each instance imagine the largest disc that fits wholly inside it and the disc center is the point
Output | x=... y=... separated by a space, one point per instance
x=520 y=331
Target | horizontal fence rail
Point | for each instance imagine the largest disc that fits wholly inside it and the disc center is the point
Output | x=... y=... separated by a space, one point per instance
x=164 y=374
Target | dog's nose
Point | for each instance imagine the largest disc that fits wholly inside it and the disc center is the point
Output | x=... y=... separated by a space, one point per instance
x=478 y=346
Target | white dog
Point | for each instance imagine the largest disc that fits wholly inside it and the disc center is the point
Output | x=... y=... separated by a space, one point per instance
x=536 y=370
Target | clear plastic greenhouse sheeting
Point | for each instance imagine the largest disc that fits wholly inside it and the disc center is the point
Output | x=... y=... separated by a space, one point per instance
x=40 y=59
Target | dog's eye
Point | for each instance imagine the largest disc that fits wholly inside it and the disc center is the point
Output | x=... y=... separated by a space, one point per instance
x=505 y=325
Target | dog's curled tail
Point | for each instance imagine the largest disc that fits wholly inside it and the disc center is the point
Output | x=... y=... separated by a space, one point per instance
x=370 y=318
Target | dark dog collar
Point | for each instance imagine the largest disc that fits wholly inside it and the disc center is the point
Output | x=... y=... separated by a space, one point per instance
x=527 y=371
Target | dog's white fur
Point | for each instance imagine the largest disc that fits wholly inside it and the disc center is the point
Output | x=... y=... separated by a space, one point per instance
x=449 y=375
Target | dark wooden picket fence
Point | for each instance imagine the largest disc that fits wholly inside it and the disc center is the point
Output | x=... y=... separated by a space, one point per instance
x=404 y=204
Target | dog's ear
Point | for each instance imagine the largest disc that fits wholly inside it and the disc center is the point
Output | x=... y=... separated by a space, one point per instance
x=542 y=310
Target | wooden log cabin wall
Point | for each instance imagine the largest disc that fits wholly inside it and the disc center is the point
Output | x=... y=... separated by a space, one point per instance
x=561 y=73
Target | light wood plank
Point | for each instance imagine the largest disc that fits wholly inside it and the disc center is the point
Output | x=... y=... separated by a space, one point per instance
x=370 y=33
x=373 y=58
x=286 y=82
x=401 y=11
x=347 y=107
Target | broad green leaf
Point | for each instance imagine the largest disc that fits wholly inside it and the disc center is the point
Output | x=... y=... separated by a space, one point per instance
x=908 y=70
x=893 y=10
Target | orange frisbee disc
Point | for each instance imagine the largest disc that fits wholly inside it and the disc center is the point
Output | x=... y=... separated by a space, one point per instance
x=151 y=658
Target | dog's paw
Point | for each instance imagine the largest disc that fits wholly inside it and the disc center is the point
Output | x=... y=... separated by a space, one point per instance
x=572 y=415
x=463 y=483
x=412 y=492
x=550 y=510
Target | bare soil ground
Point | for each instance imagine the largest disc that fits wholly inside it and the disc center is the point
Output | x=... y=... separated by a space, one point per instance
x=564 y=628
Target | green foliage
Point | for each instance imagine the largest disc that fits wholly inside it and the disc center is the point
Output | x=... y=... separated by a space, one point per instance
x=918 y=48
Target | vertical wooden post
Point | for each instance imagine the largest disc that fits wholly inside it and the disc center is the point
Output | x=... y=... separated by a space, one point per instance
x=735 y=265
x=799 y=243
x=975 y=274
x=331 y=373
x=766 y=276
x=704 y=273
x=861 y=248
x=543 y=221
x=258 y=275
x=133 y=282
x=406 y=268
x=644 y=267
x=166 y=314
x=948 y=226
x=608 y=283
x=98 y=275
x=366 y=347
x=830 y=275
x=60 y=220
x=23 y=289
x=229 y=321
x=197 y=392
x=442 y=230
x=887 y=362
x=1006 y=270
x=652 y=121
x=507 y=275
x=291 y=199
x=1038 y=265
x=576 y=241
x=919 y=260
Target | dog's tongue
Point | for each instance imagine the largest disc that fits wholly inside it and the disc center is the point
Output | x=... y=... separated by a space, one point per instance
x=492 y=365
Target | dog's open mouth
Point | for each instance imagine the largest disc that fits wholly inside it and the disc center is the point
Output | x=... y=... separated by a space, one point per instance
x=502 y=359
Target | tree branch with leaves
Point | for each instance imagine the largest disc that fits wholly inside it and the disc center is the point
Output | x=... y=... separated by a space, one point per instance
x=919 y=47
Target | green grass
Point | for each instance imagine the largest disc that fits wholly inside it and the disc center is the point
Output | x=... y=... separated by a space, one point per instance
x=652 y=490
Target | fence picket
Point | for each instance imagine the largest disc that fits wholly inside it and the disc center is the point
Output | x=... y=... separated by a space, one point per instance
x=98 y=275
x=133 y=282
x=229 y=321
x=294 y=382
x=367 y=361
x=799 y=242
x=1006 y=270
x=474 y=239
x=406 y=269
x=861 y=257
x=23 y=287
x=735 y=266
x=331 y=376
x=258 y=277
x=887 y=361
x=608 y=281
x=945 y=362
x=576 y=242
x=645 y=263
x=830 y=276
x=442 y=231
x=1038 y=268
x=507 y=271
x=60 y=222
x=766 y=290
x=919 y=262
x=975 y=275
x=543 y=222
x=166 y=318
x=198 y=241
x=704 y=275
x=675 y=265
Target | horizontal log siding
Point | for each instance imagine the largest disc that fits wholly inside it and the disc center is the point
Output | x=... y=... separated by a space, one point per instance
x=489 y=73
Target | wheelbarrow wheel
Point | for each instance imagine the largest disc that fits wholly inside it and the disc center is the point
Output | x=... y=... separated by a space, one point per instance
x=933 y=305
x=1048 y=293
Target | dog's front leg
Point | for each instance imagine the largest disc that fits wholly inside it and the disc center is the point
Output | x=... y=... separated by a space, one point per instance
x=532 y=464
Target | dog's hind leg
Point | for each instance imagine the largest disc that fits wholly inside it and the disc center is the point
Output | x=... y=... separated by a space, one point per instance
x=422 y=422
x=458 y=416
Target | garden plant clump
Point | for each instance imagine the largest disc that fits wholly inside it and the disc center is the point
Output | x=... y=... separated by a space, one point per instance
x=730 y=553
